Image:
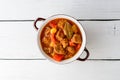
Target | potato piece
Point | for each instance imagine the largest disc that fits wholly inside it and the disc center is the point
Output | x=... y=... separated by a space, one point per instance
x=61 y=23
x=74 y=28
x=53 y=30
x=52 y=44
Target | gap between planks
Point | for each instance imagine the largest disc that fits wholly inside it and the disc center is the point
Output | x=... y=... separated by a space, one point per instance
x=46 y=59
x=31 y=20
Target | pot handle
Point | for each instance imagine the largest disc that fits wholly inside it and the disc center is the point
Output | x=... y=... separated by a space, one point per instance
x=87 y=55
x=38 y=19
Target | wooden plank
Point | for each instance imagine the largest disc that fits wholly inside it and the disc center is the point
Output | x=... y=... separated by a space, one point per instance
x=84 y=9
x=44 y=70
x=103 y=39
x=19 y=40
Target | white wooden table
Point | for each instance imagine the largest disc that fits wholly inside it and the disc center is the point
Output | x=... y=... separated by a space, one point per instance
x=20 y=58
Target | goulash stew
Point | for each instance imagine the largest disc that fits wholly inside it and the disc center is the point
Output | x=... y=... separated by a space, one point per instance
x=61 y=39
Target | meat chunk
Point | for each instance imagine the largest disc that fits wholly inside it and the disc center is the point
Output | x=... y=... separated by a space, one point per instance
x=76 y=39
x=59 y=49
x=47 y=31
x=48 y=50
x=59 y=35
x=64 y=42
x=69 y=55
x=74 y=28
x=46 y=40
x=61 y=23
x=71 y=50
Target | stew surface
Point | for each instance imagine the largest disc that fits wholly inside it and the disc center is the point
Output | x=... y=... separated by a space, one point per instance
x=61 y=39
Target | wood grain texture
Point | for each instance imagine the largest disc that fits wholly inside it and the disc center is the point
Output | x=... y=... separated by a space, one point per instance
x=83 y=9
x=103 y=39
x=45 y=70
x=18 y=40
x=20 y=58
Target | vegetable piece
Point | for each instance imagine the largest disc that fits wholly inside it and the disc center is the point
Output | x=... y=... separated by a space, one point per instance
x=68 y=30
x=78 y=46
x=72 y=44
x=74 y=28
x=52 y=44
x=53 y=30
x=53 y=24
x=52 y=36
x=58 y=57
